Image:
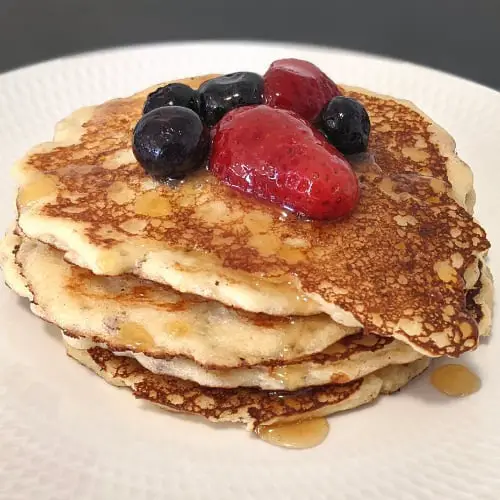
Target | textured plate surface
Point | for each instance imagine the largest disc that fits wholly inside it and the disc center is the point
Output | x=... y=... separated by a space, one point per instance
x=64 y=434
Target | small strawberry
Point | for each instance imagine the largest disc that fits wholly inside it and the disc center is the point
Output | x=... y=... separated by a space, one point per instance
x=299 y=86
x=274 y=155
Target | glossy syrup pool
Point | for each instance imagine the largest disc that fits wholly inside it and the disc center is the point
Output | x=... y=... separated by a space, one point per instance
x=455 y=380
x=298 y=435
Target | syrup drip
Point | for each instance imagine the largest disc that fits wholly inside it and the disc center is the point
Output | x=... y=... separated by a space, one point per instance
x=290 y=376
x=299 y=435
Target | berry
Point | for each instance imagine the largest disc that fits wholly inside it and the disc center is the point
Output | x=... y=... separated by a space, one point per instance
x=173 y=94
x=221 y=94
x=299 y=86
x=170 y=142
x=274 y=155
x=346 y=124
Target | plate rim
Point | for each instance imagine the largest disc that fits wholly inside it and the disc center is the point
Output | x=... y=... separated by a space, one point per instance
x=89 y=55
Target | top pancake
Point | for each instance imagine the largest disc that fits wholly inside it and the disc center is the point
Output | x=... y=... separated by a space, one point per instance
x=395 y=266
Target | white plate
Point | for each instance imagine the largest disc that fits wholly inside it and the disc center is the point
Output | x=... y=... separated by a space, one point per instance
x=66 y=434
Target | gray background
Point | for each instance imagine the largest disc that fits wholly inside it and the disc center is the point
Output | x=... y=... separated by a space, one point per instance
x=459 y=36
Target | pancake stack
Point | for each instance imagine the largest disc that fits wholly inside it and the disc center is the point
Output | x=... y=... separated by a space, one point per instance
x=205 y=301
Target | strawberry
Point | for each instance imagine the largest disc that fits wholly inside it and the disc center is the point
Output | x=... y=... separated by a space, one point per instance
x=274 y=155
x=299 y=86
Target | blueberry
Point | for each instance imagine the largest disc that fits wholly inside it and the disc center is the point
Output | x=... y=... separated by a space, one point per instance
x=173 y=94
x=221 y=94
x=170 y=142
x=346 y=124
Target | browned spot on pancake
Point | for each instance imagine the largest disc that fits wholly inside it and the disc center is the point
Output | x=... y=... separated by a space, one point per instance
x=340 y=379
x=127 y=290
x=349 y=346
x=71 y=334
x=262 y=405
x=121 y=367
x=101 y=356
x=266 y=320
x=347 y=262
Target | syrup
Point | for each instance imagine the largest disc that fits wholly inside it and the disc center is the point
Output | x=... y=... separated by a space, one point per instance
x=290 y=376
x=34 y=191
x=299 y=435
x=135 y=335
x=152 y=204
x=455 y=380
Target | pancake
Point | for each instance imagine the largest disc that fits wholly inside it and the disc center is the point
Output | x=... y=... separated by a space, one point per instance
x=251 y=407
x=392 y=267
x=129 y=313
x=349 y=359
x=76 y=296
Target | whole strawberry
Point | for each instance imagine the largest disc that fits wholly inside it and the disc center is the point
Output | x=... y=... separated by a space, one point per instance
x=299 y=86
x=274 y=155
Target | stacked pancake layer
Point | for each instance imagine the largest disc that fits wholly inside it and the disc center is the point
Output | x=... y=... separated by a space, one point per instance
x=204 y=301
